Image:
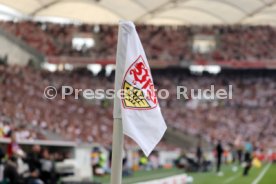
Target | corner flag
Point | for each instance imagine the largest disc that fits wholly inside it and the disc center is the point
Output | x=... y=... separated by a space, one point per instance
x=139 y=109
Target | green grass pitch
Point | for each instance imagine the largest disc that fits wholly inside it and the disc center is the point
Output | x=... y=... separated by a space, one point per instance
x=264 y=175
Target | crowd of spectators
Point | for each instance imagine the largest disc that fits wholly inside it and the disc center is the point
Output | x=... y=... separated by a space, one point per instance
x=250 y=113
x=26 y=113
x=23 y=132
x=22 y=100
x=166 y=43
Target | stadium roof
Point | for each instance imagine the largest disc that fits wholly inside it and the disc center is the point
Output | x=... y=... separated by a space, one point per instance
x=144 y=11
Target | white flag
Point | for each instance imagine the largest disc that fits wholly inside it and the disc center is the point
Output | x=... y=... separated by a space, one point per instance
x=140 y=111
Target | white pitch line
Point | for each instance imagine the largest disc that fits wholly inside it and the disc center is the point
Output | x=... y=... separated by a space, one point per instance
x=261 y=175
x=231 y=179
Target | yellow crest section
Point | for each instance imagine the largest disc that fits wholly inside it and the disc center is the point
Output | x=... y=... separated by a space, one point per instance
x=134 y=97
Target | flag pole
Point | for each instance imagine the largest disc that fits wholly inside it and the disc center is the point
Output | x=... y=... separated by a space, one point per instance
x=130 y=44
x=118 y=137
x=117 y=152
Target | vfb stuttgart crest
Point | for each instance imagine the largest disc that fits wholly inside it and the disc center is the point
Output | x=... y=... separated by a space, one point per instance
x=138 y=88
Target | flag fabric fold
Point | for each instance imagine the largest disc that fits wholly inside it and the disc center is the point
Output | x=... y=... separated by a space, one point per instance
x=139 y=108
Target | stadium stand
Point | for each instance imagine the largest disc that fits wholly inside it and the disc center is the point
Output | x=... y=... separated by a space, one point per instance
x=91 y=121
x=164 y=43
x=230 y=44
x=27 y=114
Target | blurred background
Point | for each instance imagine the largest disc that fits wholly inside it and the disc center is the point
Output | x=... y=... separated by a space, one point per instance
x=192 y=43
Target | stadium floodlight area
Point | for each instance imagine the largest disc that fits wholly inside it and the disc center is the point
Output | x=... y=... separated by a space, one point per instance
x=150 y=12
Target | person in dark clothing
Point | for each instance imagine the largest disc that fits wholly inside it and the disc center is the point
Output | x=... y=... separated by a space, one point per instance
x=10 y=171
x=33 y=158
x=219 y=151
x=2 y=155
x=14 y=152
x=199 y=154
x=247 y=157
x=33 y=161
x=47 y=168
